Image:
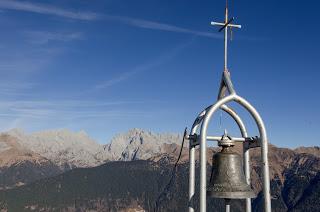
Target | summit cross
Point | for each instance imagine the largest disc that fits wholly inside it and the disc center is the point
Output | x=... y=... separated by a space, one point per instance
x=224 y=26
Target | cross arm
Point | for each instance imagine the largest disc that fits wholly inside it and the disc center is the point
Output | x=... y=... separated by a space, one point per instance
x=222 y=24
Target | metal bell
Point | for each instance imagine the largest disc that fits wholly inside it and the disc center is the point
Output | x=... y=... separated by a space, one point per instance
x=227 y=178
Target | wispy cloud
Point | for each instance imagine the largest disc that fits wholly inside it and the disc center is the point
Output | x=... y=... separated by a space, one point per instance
x=16 y=64
x=141 y=23
x=15 y=85
x=19 y=60
x=90 y=16
x=43 y=37
x=15 y=88
x=65 y=104
x=153 y=25
x=122 y=77
x=66 y=109
x=164 y=58
x=46 y=9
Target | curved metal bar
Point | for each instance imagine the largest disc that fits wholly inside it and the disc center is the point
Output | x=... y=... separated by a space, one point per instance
x=237 y=119
x=226 y=84
x=264 y=150
x=192 y=168
x=222 y=89
x=203 y=149
x=199 y=118
x=228 y=110
x=203 y=146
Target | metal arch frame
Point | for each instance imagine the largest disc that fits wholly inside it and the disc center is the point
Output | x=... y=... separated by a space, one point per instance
x=246 y=157
x=204 y=118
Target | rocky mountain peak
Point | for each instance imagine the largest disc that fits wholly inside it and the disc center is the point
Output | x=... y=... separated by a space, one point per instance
x=64 y=147
x=13 y=153
x=69 y=149
x=16 y=132
x=139 y=144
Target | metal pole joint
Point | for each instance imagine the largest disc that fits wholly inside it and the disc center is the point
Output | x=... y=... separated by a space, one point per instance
x=252 y=142
x=193 y=140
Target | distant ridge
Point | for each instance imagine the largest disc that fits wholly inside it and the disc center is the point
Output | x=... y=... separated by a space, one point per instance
x=135 y=185
x=78 y=149
x=69 y=149
x=51 y=152
x=315 y=150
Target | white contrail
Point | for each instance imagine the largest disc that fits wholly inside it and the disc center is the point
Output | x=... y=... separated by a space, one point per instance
x=91 y=16
x=141 y=23
x=46 y=9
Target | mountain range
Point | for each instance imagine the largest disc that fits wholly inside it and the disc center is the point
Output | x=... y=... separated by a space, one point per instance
x=48 y=153
x=60 y=170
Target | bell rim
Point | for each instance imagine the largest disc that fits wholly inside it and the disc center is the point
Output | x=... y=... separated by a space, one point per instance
x=231 y=194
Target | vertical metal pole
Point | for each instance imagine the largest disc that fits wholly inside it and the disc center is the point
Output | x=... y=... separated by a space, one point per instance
x=246 y=164
x=227 y=208
x=265 y=164
x=203 y=173
x=227 y=203
x=226 y=41
x=191 y=177
x=192 y=168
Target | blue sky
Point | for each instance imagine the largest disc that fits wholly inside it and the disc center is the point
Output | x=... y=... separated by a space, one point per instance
x=109 y=66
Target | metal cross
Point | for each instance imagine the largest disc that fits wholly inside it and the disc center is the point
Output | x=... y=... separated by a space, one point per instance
x=225 y=26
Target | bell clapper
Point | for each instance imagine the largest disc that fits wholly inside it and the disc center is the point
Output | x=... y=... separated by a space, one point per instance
x=227 y=203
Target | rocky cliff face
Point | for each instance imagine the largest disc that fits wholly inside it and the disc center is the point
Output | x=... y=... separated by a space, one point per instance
x=139 y=144
x=19 y=166
x=64 y=148
x=76 y=149
x=309 y=150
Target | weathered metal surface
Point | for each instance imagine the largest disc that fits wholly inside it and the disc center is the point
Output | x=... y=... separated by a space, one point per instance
x=227 y=177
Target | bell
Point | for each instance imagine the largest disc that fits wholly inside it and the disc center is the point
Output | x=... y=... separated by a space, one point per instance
x=227 y=177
